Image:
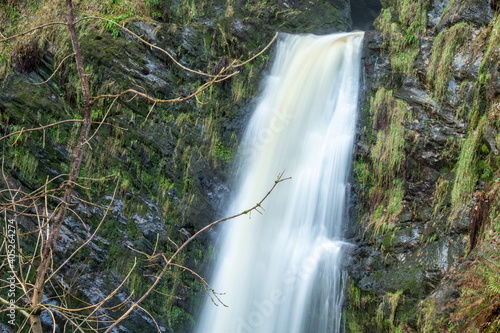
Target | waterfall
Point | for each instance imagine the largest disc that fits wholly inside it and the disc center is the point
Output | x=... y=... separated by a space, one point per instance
x=280 y=272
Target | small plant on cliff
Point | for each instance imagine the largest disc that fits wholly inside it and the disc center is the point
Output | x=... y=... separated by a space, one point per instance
x=444 y=49
x=402 y=32
x=440 y=195
x=387 y=156
x=466 y=177
x=478 y=308
x=388 y=307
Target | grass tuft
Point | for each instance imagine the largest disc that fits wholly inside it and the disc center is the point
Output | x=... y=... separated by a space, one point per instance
x=444 y=49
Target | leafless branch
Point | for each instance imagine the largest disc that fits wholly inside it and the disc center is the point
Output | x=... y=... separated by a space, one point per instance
x=90 y=238
x=152 y=46
x=170 y=260
x=52 y=125
x=32 y=30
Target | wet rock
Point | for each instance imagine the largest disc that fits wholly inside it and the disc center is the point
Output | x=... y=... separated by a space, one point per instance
x=493 y=85
x=413 y=95
x=377 y=66
x=490 y=135
x=363 y=13
x=146 y=30
x=363 y=149
x=475 y=12
x=4 y=328
x=434 y=15
x=466 y=64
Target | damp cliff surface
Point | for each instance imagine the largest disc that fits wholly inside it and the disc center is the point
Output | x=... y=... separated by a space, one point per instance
x=425 y=204
x=167 y=163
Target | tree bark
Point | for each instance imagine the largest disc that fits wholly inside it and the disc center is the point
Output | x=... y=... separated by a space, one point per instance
x=36 y=300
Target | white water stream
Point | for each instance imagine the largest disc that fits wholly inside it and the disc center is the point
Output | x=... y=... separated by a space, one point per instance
x=281 y=271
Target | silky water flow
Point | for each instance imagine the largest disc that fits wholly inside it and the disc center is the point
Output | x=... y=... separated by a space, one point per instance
x=280 y=272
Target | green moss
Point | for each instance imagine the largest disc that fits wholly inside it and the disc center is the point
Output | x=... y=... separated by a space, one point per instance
x=388 y=152
x=387 y=310
x=387 y=156
x=152 y=160
x=466 y=177
x=26 y=162
x=402 y=23
x=493 y=42
x=440 y=195
x=361 y=306
x=303 y=17
x=444 y=49
x=452 y=2
x=362 y=172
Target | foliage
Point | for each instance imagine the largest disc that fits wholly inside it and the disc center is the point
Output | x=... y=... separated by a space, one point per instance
x=387 y=157
x=154 y=151
x=493 y=42
x=479 y=304
x=360 y=306
x=440 y=196
x=23 y=15
x=466 y=176
x=402 y=25
x=444 y=49
x=468 y=165
x=387 y=310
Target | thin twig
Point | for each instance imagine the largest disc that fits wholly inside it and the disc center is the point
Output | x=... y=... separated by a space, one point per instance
x=55 y=71
x=52 y=125
x=90 y=238
x=31 y=30
x=170 y=260
x=22 y=310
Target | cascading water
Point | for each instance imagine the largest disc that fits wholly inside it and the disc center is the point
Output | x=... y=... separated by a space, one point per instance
x=280 y=272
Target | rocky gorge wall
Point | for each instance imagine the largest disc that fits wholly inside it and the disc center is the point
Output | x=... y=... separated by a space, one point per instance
x=425 y=214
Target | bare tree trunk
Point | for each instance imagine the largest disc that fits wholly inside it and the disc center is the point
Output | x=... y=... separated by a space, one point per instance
x=70 y=185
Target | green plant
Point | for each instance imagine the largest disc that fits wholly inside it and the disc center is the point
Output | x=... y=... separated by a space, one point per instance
x=480 y=292
x=387 y=156
x=443 y=52
x=388 y=306
x=402 y=32
x=440 y=195
x=466 y=177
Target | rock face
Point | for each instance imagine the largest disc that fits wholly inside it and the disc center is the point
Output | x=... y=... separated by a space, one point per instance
x=477 y=13
x=427 y=148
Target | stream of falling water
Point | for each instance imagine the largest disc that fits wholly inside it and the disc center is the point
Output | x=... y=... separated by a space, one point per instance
x=280 y=272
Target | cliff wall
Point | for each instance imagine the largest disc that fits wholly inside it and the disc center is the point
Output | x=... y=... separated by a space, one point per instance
x=426 y=171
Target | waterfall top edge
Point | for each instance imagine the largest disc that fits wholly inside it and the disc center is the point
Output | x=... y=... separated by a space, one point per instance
x=351 y=33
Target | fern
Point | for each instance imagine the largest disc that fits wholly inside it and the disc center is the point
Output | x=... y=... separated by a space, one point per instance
x=494 y=284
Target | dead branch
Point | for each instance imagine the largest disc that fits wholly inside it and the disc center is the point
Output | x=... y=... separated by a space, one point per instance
x=150 y=316
x=89 y=239
x=23 y=204
x=52 y=125
x=204 y=283
x=153 y=46
x=75 y=170
x=170 y=260
x=22 y=310
x=173 y=100
x=54 y=73
x=32 y=30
